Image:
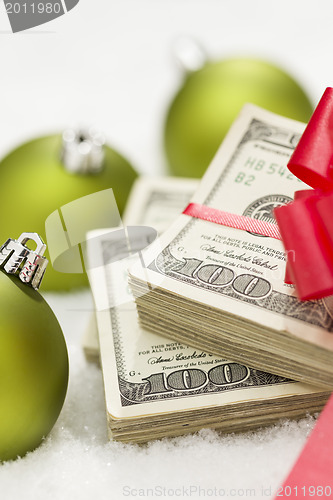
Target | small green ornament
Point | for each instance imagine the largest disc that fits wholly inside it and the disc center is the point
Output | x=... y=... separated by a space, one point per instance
x=211 y=97
x=33 y=354
x=47 y=173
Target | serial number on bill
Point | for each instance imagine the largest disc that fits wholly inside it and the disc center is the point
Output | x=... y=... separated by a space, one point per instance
x=270 y=168
x=34 y=8
x=304 y=491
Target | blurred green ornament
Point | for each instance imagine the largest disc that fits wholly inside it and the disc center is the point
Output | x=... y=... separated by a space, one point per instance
x=47 y=173
x=33 y=365
x=211 y=97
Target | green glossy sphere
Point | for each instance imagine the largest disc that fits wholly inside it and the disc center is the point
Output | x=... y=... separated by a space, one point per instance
x=33 y=368
x=34 y=184
x=211 y=98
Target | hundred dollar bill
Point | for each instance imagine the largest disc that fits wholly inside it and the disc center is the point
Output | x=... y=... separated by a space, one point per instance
x=222 y=289
x=155 y=387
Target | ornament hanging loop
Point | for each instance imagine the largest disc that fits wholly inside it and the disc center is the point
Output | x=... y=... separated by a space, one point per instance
x=29 y=265
x=189 y=54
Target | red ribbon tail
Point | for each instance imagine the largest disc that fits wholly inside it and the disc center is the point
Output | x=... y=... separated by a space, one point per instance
x=311 y=476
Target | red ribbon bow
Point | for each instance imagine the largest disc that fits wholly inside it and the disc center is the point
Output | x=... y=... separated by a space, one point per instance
x=306 y=225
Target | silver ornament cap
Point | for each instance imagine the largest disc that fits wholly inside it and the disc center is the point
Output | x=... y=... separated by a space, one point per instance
x=83 y=151
x=29 y=265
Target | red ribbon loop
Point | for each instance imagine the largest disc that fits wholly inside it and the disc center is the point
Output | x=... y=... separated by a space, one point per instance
x=308 y=244
x=312 y=159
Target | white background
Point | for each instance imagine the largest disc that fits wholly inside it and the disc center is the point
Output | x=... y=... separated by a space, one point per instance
x=110 y=64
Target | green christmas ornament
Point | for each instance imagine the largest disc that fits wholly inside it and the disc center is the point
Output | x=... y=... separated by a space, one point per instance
x=49 y=172
x=210 y=98
x=33 y=354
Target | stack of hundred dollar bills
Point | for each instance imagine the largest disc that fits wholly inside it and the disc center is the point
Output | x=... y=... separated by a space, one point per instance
x=156 y=386
x=222 y=289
